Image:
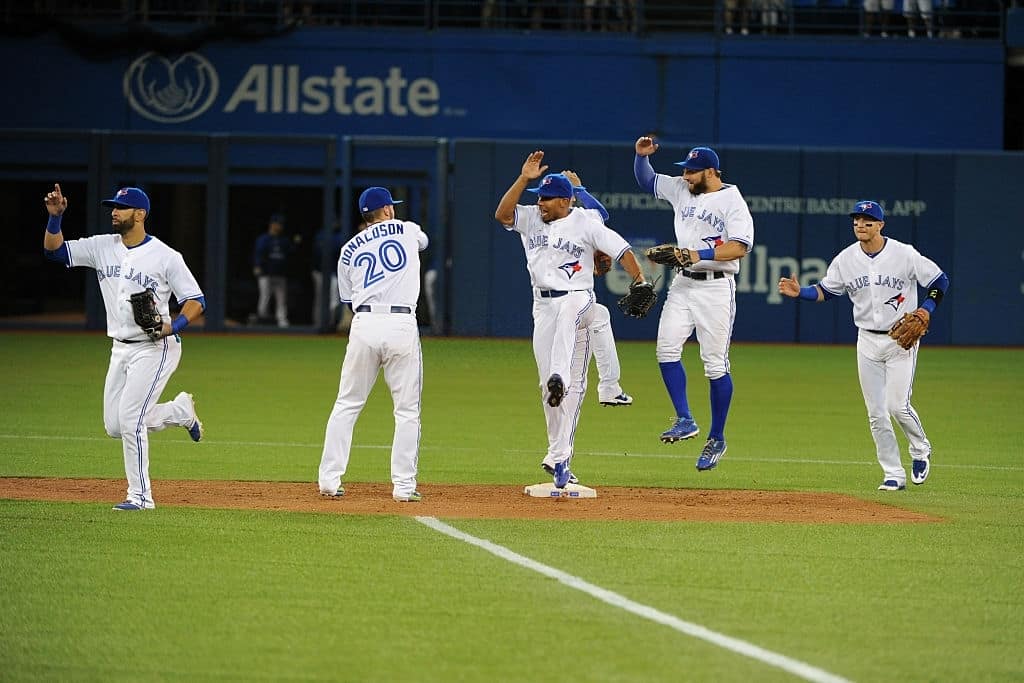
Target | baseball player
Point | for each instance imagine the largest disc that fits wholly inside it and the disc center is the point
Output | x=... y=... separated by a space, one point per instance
x=713 y=225
x=881 y=276
x=602 y=339
x=560 y=243
x=126 y=262
x=379 y=276
x=270 y=256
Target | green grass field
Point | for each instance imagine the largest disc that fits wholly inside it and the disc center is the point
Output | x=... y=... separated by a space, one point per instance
x=199 y=594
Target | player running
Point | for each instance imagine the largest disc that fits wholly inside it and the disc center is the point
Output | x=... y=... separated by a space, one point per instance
x=881 y=275
x=126 y=262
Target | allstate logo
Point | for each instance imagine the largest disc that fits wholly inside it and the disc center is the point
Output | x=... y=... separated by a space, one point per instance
x=171 y=92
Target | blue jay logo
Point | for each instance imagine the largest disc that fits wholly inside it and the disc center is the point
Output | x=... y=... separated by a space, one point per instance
x=571 y=268
x=171 y=92
x=896 y=301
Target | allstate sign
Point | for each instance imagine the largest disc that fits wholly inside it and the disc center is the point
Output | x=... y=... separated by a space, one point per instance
x=168 y=91
x=171 y=92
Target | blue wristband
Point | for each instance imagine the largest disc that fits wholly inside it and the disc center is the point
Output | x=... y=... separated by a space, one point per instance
x=809 y=293
x=180 y=323
x=928 y=305
x=706 y=254
x=53 y=225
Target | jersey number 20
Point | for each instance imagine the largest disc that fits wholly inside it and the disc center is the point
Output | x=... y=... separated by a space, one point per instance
x=390 y=257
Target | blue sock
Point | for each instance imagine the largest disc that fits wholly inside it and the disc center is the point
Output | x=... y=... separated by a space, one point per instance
x=721 y=397
x=674 y=376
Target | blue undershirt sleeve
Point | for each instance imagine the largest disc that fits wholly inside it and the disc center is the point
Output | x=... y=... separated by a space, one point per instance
x=644 y=173
x=589 y=201
x=59 y=255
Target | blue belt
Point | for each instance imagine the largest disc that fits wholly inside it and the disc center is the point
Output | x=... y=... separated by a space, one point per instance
x=394 y=309
x=131 y=341
x=877 y=331
x=552 y=293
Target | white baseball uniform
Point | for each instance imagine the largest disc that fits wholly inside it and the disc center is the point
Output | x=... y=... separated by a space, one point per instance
x=379 y=275
x=882 y=288
x=602 y=341
x=560 y=259
x=139 y=368
x=708 y=306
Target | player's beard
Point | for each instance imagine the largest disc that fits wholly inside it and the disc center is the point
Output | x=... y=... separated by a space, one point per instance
x=123 y=227
x=701 y=186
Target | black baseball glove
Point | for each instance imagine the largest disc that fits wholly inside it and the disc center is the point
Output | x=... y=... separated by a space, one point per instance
x=639 y=300
x=670 y=255
x=145 y=313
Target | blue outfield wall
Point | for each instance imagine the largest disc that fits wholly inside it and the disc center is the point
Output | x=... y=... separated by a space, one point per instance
x=835 y=91
x=953 y=207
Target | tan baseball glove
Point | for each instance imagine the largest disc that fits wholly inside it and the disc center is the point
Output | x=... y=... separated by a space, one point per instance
x=670 y=255
x=602 y=263
x=910 y=328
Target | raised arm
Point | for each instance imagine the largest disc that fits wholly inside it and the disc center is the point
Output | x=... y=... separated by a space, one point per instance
x=506 y=211
x=584 y=198
x=642 y=168
x=56 y=204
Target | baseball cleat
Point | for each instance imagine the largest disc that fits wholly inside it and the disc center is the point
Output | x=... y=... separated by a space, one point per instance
x=891 y=485
x=413 y=497
x=551 y=472
x=562 y=474
x=195 y=428
x=337 y=494
x=129 y=506
x=921 y=468
x=622 y=399
x=713 y=451
x=682 y=428
x=556 y=390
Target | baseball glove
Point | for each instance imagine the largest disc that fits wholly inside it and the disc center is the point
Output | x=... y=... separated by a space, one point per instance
x=910 y=328
x=145 y=313
x=602 y=263
x=670 y=255
x=639 y=300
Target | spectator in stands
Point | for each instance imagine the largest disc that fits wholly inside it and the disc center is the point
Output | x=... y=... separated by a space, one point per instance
x=871 y=9
x=924 y=7
x=731 y=8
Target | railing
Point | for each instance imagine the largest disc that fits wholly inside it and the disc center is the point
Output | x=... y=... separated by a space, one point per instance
x=979 y=19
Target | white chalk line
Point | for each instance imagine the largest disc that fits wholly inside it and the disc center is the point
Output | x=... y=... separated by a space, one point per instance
x=679 y=455
x=800 y=669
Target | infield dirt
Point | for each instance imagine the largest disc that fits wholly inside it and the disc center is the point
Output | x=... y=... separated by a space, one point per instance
x=485 y=502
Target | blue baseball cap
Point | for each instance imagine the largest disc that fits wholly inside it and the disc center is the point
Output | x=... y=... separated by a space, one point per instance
x=374 y=198
x=868 y=208
x=128 y=198
x=700 y=158
x=553 y=185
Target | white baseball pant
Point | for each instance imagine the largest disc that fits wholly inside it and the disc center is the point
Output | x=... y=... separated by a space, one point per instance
x=561 y=345
x=602 y=343
x=136 y=377
x=378 y=340
x=707 y=306
x=886 y=373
